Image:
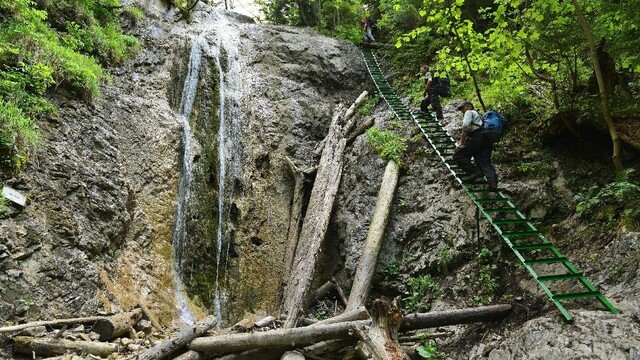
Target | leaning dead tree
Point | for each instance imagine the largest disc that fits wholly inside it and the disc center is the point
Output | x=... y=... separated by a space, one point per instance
x=316 y=220
x=369 y=257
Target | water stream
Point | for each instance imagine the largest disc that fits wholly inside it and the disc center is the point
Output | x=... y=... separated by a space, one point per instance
x=221 y=183
x=184 y=188
x=225 y=54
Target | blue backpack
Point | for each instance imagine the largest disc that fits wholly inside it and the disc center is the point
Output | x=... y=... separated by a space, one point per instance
x=494 y=125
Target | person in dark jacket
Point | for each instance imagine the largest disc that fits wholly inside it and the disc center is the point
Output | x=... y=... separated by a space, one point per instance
x=368 y=25
x=430 y=94
x=473 y=144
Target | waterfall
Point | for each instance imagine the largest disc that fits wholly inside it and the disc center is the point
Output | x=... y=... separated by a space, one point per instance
x=230 y=92
x=221 y=181
x=184 y=189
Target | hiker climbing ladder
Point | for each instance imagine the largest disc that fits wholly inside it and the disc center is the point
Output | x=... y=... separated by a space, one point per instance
x=548 y=266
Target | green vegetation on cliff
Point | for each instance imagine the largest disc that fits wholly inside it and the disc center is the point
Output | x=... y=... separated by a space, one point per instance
x=48 y=44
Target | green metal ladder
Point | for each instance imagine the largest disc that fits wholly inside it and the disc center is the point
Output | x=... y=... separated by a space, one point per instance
x=530 y=246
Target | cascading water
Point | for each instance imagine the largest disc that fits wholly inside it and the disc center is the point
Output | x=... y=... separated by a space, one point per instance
x=221 y=181
x=219 y=44
x=228 y=143
x=184 y=189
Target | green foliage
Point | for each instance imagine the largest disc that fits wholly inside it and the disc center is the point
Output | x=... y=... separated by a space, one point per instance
x=389 y=145
x=484 y=254
x=615 y=201
x=430 y=351
x=444 y=259
x=18 y=135
x=486 y=286
x=367 y=108
x=420 y=288
x=4 y=203
x=392 y=268
x=337 y=18
x=49 y=44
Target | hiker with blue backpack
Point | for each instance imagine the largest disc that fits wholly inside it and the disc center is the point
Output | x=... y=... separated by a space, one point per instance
x=474 y=143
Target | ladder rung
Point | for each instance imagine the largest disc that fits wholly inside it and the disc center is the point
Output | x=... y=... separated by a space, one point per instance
x=510 y=221
x=537 y=246
x=520 y=233
x=492 y=200
x=552 y=260
x=572 y=296
x=558 y=277
x=504 y=209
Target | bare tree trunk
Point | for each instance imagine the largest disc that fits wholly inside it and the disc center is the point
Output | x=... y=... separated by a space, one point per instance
x=285 y=338
x=167 y=347
x=191 y=355
x=117 y=325
x=52 y=347
x=380 y=341
x=295 y=216
x=369 y=258
x=316 y=222
x=604 y=98
x=454 y=317
x=150 y=316
x=52 y=323
x=292 y=355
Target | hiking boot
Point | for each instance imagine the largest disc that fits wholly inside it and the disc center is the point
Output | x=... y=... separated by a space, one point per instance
x=493 y=186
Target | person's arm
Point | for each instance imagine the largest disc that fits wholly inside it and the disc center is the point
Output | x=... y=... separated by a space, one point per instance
x=466 y=125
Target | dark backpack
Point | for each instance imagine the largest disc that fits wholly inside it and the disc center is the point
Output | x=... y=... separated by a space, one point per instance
x=494 y=125
x=441 y=84
x=372 y=24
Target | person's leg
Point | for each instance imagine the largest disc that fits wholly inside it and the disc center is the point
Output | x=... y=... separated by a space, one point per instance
x=464 y=154
x=424 y=105
x=437 y=107
x=483 y=160
x=370 y=35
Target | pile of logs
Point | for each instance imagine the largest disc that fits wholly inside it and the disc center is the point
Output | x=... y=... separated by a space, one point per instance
x=116 y=337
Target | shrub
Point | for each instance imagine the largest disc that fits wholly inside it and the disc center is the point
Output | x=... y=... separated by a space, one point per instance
x=52 y=43
x=389 y=145
x=618 y=200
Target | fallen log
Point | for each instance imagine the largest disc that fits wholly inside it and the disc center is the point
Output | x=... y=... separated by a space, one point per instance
x=315 y=223
x=322 y=291
x=191 y=355
x=114 y=326
x=352 y=109
x=359 y=313
x=380 y=340
x=359 y=131
x=54 y=347
x=283 y=338
x=262 y=354
x=292 y=355
x=52 y=323
x=166 y=348
x=369 y=258
x=150 y=316
x=455 y=317
x=288 y=339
